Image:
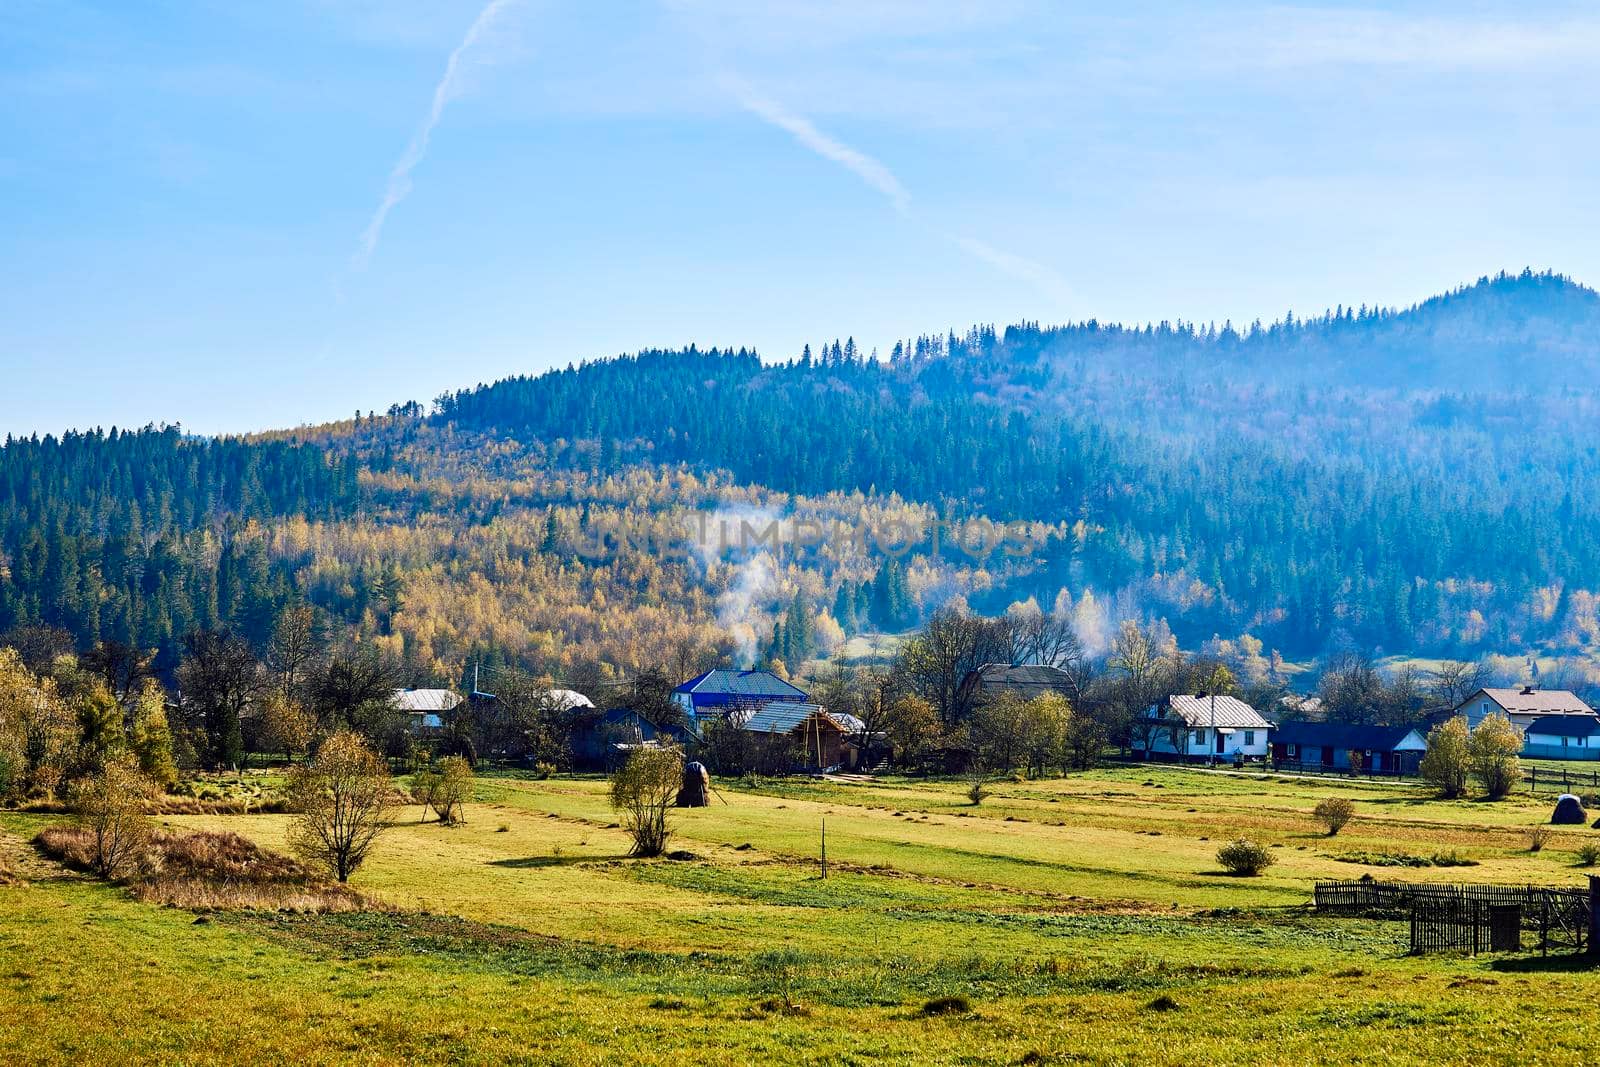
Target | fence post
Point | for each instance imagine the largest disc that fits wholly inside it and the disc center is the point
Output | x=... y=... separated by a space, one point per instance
x=1594 y=915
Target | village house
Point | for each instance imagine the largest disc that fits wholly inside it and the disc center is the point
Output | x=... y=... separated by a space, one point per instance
x=604 y=740
x=424 y=709
x=714 y=693
x=1521 y=706
x=1026 y=680
x=1563 y=737
x=821 y=737
x=1335 y=746
x=1203 y=727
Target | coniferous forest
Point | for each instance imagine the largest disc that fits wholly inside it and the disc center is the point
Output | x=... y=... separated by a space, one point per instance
x=1402 y=481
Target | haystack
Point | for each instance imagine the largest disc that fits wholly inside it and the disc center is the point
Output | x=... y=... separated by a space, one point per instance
x=696 y=791
x=1569 y=811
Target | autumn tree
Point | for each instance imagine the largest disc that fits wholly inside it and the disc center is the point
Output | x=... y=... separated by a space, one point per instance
x=1492 y=754
x=150 y=736
x=286 y=725
x=344 y=799
x=1447 y=761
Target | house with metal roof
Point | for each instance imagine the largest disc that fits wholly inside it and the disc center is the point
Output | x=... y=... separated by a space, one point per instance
x=1203 y=726
x=1336 y=746
x=1521 y=706
x=820 y=737
x=1026 y=680
x=714 y=693
x=1563 y=737
x=424 y=708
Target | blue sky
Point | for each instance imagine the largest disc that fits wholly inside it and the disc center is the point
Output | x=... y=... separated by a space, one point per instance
x=191 y=195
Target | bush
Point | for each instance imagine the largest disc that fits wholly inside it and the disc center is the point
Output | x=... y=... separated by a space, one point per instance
x=642 y=790
x=110 y=808
x=1334 y=813
x=1245 y=858
x=1538 y=837
x=1588 y=854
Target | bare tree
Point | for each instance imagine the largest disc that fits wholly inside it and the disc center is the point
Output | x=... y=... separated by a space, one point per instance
x=953 y=645
x=217 y=683
x=294 y=650
x=345 y=801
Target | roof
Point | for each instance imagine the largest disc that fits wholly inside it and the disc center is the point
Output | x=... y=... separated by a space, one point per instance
x=567 y=699
x=1231 y=712
x=1565 y=725
x=850 y=724
x=1343 y=735
x=782 y=716
x=420 y=700
x=725 y=682
x=1030 y=678
x=1530 y=701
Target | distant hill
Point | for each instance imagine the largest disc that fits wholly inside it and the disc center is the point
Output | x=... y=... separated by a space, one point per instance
x=1419 y=480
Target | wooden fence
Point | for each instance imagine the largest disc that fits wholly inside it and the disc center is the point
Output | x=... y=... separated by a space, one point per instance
x=1467 y=917
x=1564 y=780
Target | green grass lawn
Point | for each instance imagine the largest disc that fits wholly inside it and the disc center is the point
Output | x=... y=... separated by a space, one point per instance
x=1082 y=919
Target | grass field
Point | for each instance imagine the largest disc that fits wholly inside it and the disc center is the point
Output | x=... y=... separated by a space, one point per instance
x=1081 y=920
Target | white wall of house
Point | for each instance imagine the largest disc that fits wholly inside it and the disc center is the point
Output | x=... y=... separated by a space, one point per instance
x=1202 y=742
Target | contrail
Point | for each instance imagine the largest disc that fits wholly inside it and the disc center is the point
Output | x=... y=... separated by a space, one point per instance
x=801 y=129
x=881 y=178
x=400 y=177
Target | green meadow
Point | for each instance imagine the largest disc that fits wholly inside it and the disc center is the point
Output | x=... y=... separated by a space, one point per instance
x=1074 y=920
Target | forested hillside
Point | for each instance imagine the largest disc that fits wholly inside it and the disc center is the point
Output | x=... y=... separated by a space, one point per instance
x=1420 y=480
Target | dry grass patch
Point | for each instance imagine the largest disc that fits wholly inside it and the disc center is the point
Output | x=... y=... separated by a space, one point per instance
x=210 y=870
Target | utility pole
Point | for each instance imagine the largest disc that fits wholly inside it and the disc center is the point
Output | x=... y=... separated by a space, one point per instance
x=824 y=846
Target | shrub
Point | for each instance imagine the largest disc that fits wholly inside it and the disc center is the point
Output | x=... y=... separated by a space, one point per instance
x=1163 y=1003
x=345 y=799
x=1334 y=813
x=1588 y=854
x=110 y=807
x=1245 y=858
x=643 y=789
x=776 y=972
x=1538 y=837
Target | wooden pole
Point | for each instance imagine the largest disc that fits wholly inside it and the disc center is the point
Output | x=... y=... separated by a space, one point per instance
x=1593 y=946
x=825 y=847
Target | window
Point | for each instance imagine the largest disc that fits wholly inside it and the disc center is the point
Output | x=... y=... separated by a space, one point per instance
x=1249 y=737
x=1294 y=751
x=1199 y=737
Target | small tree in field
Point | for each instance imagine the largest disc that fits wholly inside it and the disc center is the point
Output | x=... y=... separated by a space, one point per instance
x=1445 y=763
x=1334 y=813
x=642 y=790
x=1245 y=858
x=1492 y=754
x=110 y=805
x=451 y=790
x=345 y=800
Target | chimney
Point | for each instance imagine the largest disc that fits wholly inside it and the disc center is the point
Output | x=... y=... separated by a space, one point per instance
x=1527 y=690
